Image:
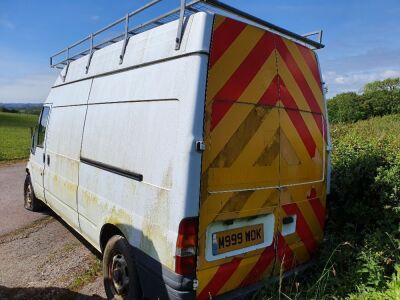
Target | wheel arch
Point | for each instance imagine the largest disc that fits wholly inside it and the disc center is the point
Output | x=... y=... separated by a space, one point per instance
x=108 y=231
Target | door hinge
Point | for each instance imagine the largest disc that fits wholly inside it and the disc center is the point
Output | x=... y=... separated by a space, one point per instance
x=195 y=284
x=200 y=146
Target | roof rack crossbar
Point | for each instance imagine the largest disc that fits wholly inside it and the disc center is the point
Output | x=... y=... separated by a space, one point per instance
x=264 y=23
x=184 y=10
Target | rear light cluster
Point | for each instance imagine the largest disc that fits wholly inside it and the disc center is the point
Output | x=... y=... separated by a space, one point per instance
x=186 y=247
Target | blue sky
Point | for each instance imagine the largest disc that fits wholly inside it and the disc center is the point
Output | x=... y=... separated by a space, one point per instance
x=361 y=37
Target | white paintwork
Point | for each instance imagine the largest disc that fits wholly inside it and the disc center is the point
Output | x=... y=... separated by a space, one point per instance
x=290 y=228
x=142 y=116
x=269 y=225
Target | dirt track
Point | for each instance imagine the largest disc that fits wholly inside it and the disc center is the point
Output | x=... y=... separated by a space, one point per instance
x=12 y=216
x=40 y=256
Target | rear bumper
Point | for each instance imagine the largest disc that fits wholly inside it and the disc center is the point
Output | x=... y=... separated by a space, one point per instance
x=245 y=292
x=158 y=282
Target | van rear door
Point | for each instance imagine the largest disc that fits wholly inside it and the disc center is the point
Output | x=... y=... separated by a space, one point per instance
x=303 y=160
x=263 y=163
x=240 y=170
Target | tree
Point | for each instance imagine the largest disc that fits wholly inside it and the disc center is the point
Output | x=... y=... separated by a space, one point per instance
x=388 y=85
x=345 y=107
x=379 y=98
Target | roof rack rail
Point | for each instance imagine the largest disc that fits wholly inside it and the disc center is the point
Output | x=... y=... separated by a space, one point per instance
x=184 y=10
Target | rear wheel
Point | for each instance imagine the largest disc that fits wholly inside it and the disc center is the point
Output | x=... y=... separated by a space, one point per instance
x=30 y=201
x=119 y=270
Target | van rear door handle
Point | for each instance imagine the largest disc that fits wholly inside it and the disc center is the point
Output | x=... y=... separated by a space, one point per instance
x=288 y=220
x=48 y=160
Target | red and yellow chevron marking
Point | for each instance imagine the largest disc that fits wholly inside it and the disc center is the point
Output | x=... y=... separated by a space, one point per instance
x=264 y=128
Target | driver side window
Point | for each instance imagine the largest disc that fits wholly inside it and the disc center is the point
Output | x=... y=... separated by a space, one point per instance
x=41 y=133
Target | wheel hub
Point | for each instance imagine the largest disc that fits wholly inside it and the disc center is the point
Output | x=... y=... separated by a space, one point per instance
x=119 y=272
x=28 y=197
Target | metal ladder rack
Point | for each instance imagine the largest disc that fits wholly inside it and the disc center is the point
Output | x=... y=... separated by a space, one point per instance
x=63 y=58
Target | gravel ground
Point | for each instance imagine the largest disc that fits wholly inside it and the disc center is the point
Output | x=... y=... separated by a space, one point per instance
x=40 y=256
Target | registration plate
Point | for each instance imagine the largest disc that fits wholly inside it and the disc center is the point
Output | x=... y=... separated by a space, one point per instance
x=234 y=239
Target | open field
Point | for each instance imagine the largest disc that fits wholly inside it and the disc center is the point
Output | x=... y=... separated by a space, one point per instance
x=15 y=135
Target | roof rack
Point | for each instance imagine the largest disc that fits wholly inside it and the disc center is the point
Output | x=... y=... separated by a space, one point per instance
x=63 y=58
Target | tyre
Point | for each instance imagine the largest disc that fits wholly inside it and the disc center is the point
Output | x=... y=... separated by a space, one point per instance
x=119 y=270
x=30 y=201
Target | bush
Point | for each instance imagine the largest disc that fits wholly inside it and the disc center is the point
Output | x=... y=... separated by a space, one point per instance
x=360 y=255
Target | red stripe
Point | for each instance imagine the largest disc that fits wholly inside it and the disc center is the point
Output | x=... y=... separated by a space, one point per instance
x=286 y=254
x=243 y=76
x=265 y=260
x=270 y=96
x=302 y=228
x=299 y=77
x=311 y=61
x=318 y=208
x=223 y=37
x=319 y=211
x=297 y=119
x=220 y=278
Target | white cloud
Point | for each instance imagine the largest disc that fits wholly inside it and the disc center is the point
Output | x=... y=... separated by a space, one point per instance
x=354 y=81
x=32 y=88
x=94 y=18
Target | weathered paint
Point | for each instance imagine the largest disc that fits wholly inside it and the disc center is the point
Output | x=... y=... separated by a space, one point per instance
x=123 y=121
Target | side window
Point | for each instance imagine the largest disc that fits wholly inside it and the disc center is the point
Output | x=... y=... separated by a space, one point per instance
x=42 y=126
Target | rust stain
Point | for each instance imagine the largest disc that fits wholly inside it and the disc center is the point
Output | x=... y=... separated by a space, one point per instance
x=110 y=214
x=155 y=226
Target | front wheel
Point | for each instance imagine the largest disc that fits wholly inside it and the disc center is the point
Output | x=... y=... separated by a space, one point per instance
x=30 y=201
x=119 y=270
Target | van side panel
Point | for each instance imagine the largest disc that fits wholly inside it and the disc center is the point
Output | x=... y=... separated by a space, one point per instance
x=144 y=121
x=265 y=157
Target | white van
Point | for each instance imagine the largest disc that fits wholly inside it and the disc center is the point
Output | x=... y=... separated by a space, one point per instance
x=191 y=150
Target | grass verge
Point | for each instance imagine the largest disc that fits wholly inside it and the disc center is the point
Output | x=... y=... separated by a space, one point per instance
x=15 y=135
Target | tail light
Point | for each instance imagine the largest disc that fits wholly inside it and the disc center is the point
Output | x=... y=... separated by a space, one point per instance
x=186 y=247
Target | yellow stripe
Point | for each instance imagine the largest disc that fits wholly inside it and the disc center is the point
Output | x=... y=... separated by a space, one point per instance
x=300 y=252
x=257 y=200
x=314 y=130
x=256 y=146
x=310 y=218
x=238 y=113
x=210 y=208
x=245 y=267
x=290 y=131
x=204 y=277
x=218 y=21
x=231 y=60
x=291 y=84
x=305 y=69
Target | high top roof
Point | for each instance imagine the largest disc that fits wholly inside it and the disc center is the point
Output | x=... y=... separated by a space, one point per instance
x=71 y=53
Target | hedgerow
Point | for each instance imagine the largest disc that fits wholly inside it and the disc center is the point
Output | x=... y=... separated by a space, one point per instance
x=360 y=255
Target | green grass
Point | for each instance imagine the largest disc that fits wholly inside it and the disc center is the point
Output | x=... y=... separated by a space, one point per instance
x=15 y=135
x=94 y=271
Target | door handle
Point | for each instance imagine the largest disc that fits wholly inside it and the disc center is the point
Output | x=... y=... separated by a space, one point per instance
x=48 y=160
x=44 y=158
x=288 y=220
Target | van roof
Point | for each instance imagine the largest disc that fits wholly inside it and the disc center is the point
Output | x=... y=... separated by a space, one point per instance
x=67 y=55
